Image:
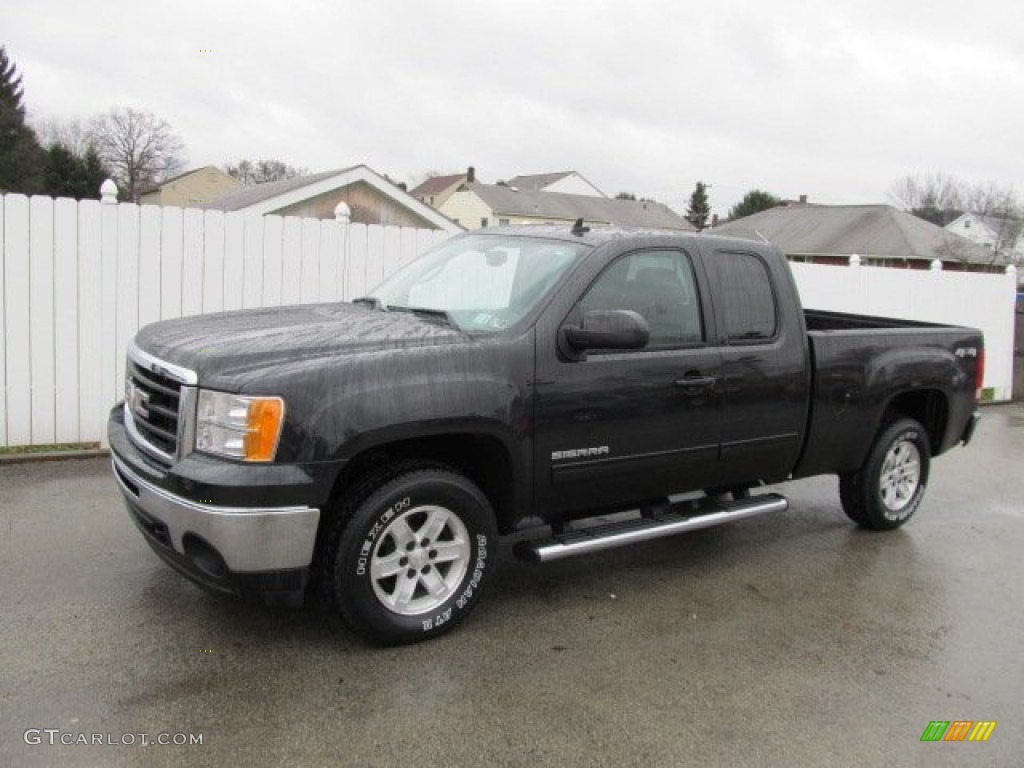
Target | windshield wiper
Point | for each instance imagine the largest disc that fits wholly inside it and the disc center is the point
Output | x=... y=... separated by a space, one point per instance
x=427 y=313
x=371 y=301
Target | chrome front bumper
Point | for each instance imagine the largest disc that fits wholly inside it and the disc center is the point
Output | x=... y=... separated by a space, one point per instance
x=250 y=540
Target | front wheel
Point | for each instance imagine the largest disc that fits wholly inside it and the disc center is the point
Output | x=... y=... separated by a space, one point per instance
x=888 y=489
x=408 y=562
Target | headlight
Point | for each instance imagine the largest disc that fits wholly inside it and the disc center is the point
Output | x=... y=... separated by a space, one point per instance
x=246 y=428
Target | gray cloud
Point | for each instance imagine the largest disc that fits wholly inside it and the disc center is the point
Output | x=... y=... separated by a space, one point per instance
x=833 y=100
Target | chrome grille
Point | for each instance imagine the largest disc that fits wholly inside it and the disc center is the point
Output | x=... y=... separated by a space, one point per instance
x=156 y=405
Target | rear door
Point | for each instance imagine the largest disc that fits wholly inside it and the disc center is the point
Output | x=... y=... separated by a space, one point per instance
x=625 y=425
x=765 y=375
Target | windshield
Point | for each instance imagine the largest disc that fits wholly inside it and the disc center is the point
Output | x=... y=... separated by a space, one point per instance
x=479 y=282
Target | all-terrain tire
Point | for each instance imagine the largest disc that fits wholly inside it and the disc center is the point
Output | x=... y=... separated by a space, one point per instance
x=407 y=557
x=889 y=487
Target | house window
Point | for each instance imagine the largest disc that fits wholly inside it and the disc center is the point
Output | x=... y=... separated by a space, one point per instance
x=967 y=224
x=502 y=222
x=483 y=222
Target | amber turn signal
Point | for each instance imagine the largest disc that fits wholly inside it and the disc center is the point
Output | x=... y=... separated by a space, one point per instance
x=263 y=428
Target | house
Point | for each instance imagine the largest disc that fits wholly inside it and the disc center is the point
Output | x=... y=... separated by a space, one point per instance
x=435 y=190
x=476 y=205
x=1003 y=236
x=192 y=188
x=566 y=182
x=879 y=234
x=371 y=198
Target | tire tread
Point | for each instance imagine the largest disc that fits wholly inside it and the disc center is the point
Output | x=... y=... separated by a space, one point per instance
x=379 y=482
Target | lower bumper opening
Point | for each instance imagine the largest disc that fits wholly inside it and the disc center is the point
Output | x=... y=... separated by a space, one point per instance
x=204 y=565
x=204 y=557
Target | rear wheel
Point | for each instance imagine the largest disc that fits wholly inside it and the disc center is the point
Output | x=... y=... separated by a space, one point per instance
x=888 y=489
x=409 y=560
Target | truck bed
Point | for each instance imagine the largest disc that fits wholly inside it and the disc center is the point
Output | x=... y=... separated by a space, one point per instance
x=860 y=363
x=820 y=320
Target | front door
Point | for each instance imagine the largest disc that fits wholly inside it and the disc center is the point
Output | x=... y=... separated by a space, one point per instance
x=625 y=426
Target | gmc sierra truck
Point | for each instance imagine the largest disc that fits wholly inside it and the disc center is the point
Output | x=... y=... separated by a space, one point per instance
x=511 y=380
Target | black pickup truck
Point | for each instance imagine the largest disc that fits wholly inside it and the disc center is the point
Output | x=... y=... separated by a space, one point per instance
x=510 y=380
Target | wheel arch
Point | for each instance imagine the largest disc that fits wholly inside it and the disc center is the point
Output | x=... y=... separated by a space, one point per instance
x=483 y=458
x=928 y=407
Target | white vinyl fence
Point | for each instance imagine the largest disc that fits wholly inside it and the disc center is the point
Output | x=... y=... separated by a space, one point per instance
x=983 y=301
x=78 y=279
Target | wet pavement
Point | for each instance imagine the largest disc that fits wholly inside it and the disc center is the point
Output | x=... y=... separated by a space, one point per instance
x=788 y=640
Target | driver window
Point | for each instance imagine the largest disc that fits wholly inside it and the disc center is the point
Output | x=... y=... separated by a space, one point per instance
x=660 y=286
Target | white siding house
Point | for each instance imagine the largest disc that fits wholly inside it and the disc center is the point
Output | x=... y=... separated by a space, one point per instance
x=565 y=182
x=1005 y=237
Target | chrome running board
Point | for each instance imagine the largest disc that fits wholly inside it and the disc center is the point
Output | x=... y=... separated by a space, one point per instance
x=707 y=514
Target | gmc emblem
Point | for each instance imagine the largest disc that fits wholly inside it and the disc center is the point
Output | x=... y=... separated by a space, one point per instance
x=138 y=401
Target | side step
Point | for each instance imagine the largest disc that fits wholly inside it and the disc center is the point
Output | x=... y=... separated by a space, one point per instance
x=708 y=514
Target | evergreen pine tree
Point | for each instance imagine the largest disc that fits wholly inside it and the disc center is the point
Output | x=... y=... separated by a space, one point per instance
x=755 y=201
x=21 y=159
x=699 y=210
x=71 y=175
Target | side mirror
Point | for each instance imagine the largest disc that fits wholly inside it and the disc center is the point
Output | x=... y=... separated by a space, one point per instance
x=608 y=329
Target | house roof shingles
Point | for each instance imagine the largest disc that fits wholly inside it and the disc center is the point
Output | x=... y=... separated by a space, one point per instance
x=556 y=205
x=844 y=230
x=537 y=181
x=436 y=185
x=247 y=196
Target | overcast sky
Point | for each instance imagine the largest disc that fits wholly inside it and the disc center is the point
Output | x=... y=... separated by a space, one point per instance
x=833 y=99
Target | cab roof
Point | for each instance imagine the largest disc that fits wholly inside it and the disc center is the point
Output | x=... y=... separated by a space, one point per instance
x=595 y=236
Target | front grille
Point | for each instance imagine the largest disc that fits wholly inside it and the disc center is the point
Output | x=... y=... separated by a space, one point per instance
x=155 y=400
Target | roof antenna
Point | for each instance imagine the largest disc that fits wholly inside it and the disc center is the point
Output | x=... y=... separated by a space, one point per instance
x=578 y=229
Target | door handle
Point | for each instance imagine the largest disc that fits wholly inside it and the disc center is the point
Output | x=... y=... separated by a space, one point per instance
x=696 y=384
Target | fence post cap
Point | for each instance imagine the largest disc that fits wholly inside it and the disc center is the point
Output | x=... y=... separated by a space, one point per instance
x=1011 y=269
x=936 y=265
x=342 y=212
x=855 y=260
x=108 y=192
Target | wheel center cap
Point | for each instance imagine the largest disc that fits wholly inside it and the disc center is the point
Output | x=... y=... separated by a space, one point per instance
x=418 y=558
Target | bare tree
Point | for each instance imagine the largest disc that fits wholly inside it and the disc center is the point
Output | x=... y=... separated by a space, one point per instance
x=941 y=198
x=139 y=148
x=1002 y=213
x=71 y=133
x=935 y=197
x=251 y=172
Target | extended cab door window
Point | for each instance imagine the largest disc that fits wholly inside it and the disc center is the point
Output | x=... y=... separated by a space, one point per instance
x=660 y=286
x=745 y=289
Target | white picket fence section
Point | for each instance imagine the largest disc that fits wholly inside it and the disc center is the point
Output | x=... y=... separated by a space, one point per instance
x=78 y=280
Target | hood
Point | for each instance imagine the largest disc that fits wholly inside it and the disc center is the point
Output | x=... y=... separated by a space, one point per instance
x=255 y=339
